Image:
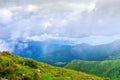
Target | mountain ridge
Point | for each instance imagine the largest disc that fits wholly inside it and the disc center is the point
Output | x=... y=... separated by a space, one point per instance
x=51 y=52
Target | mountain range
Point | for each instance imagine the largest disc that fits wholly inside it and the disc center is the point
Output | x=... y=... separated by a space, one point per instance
x=52 y=52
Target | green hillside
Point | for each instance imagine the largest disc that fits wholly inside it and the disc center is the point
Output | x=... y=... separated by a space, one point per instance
x=17 y=68
x=107 y=68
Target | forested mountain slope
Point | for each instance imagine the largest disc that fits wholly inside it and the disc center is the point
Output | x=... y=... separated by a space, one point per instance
x=107 y=68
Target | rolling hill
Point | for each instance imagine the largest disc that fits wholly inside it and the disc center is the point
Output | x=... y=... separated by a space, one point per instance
x=107 y=68
x=17 y=68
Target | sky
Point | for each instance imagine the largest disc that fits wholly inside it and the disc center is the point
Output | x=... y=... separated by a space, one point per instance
x=59 y=18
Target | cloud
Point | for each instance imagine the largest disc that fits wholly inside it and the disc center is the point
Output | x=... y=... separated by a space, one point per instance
x=5 y=16
x=73 y=18
x=4 y=46
x=40 y=38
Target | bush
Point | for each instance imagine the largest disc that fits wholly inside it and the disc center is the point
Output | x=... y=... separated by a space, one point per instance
x=31 y=63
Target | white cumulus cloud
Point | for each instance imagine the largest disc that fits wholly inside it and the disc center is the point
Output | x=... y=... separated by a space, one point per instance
x=5 y=16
